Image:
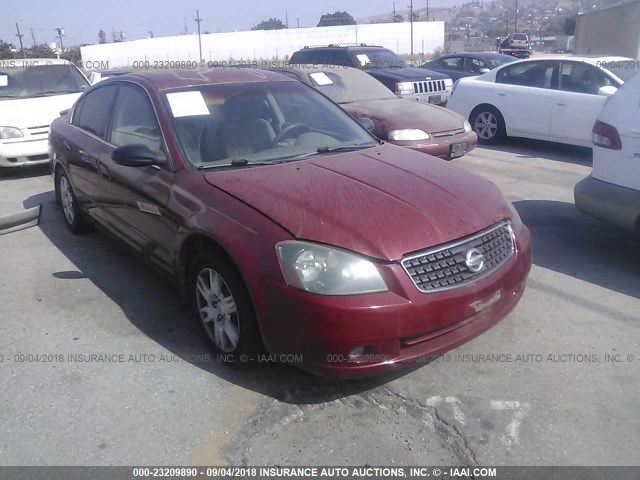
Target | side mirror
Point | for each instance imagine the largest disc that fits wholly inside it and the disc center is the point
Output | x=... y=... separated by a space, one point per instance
x=484 y=70
x=367 y=123
x=607 y=90
x=136 y=155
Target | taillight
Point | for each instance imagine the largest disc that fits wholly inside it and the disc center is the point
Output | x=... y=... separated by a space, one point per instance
x=605 y=136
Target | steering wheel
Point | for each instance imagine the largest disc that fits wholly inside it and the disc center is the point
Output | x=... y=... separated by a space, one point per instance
x=286 y=131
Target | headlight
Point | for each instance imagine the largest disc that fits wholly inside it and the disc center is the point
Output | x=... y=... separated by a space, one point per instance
x=327 y=270
x=448 y=84
x=404 y=88
x=467 y=127
x=516 y=221
x=10 y=132
x=408 y=134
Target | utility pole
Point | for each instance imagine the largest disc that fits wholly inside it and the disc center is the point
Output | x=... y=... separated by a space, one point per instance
x=411 y=19
x=286 y=18
x=33 y=36
x=507 y=12
x=298 y=20
x=186 y=32
x=19 y=35
x=394 y=13
x=427 y=10
x=60 y=31
x=198 y=20
x=515 y=24
x=113 y=34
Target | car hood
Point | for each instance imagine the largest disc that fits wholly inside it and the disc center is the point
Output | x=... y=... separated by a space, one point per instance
x=34 y=112
x=382 y=202
x=408 y=73
x=396 y=113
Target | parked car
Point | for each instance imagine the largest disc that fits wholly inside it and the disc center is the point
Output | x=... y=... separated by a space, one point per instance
x=459 y=65
x=515 y=40
x=32 y=94
x=383 y=65
x=612 y=191
x=552 y=98
x=420 y=126
x=286 y=223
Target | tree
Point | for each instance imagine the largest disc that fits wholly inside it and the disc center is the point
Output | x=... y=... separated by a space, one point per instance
x=102 y=37
x=271 y=24
x=6 y=50
x=40 y=51
x=336 y=18
x=399 y=18
x=73 y=55
x=569 y=26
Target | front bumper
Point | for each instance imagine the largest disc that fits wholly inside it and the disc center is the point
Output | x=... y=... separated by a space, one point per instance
x=398 y=327
x=434 y=98
x=609 y=202
x=22 y=153
x=441 y=146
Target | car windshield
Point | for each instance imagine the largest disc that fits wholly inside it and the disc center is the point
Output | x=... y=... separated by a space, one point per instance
x=378 y=58
x=40 y=81
x=349 y=85
x=234 y=125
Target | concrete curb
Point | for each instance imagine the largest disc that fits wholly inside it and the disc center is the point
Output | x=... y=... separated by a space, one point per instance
x=19 y=221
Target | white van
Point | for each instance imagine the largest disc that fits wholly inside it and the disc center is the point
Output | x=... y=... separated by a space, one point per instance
x=612 y=191
x=33 y=92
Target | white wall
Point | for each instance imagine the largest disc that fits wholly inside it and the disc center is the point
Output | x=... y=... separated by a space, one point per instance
x=612 y=31
x=264 y=44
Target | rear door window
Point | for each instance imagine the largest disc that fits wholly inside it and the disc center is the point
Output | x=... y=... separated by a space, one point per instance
x=96 y=110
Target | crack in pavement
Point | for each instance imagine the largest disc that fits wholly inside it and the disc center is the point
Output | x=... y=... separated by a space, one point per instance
x=272 y=413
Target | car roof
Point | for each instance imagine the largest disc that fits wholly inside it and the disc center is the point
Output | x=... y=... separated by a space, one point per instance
x=579 y=58
x=358 y=46
x=482 y=55
x=170 y=79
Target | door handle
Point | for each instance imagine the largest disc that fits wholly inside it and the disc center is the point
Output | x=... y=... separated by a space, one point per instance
x=502 y=94
x=561 y=104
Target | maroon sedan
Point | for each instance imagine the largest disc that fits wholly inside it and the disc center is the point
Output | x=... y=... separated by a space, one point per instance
x=421 y=126
x=286 y=223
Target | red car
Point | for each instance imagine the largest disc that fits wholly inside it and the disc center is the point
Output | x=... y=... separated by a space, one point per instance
x=421 y=126
x=286 y=223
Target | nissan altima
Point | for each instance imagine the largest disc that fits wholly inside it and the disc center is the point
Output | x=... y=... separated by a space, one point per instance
x=285 y=223
x=546 y=98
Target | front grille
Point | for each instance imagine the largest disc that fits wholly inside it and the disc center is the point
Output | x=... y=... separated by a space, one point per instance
x=429 y=86
x=448 y=133
x=40 y=130
x=44 y=156
x=445 y=267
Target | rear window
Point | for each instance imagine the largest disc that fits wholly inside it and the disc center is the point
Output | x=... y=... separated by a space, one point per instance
x=519 y=36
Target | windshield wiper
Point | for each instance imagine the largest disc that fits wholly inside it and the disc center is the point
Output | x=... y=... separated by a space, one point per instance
x=237 y=162
x=52 y=92
x=346 y=148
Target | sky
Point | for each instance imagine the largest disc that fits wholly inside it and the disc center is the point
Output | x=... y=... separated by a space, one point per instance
x=82 y=20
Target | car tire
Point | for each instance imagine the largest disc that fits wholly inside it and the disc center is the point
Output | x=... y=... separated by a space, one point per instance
x=488 y=124
x=224 y=310
x=73 y=217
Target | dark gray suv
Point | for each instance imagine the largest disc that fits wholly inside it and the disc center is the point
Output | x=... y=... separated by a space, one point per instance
x=384 y=65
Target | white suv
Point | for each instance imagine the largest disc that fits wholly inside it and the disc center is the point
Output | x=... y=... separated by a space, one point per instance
x=33 y=92
x=612 y=191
